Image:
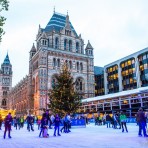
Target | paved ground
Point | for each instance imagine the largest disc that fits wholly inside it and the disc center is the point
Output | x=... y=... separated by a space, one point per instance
x=90 y=137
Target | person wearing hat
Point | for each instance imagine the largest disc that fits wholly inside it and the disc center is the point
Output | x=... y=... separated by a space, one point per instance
x=142 y=123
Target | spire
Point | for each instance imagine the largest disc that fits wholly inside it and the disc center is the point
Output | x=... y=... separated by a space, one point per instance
x=89 y=45
x=33 y=49
x=6 y=60
x=54 y=10
x=67 y=25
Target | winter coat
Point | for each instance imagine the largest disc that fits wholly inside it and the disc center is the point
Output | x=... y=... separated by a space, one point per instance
x=123 y=118
x=141 y=116
x=8 y=120
x=108 y=118
x=57 y=121
x=43 y=123
x=29 y=119
x=47 y=118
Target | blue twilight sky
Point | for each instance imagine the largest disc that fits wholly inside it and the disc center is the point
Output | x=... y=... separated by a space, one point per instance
x=115 y=28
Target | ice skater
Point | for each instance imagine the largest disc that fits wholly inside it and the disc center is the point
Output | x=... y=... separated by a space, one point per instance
x=44 y=128
x=123 y=120
x=8 y=122
x=57 y=122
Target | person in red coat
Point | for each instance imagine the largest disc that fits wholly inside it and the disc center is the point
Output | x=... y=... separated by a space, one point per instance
x=8 y=121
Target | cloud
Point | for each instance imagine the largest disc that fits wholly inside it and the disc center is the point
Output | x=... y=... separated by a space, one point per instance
x=115 y=28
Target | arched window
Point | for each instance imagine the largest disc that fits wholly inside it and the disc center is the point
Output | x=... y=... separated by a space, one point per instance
x=54 y=62
x=53 y=82
x=79 y=84
x=4 y=102
x=65 y=44
x=77 y=47
x=4 y=93
x=70 y=64
x=77 y=66
x=56 y=43
x=58 y=63
x=70 y=45
x=66 y=62
x=81 y=67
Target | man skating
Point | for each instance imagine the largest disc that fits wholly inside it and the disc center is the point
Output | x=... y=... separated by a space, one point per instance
x=8 y=121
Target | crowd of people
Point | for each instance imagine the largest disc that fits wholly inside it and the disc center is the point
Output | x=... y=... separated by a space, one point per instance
x=44 y=123
x=116 y=121
x=47 y=121
x=119 y=120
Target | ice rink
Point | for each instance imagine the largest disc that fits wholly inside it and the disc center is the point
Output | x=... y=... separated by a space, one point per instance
x=90 y=137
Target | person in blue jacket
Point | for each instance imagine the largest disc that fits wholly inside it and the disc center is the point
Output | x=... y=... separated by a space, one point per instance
x=57 y=122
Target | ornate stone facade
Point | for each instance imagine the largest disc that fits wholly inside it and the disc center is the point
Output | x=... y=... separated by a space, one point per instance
x=56 y=44
x=5 y=81
x=19 y=97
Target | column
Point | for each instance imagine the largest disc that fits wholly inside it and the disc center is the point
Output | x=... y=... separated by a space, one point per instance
x=120 y=103
x=96 y=107
x=111 y=105
x=105 y=82
x=137 y=72
x=130 y=111
x=120 y=78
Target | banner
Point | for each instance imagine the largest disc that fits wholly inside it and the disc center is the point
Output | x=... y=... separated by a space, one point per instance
x=78 y=122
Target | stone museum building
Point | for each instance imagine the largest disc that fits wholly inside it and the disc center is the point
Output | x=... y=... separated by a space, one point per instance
x=56 y=44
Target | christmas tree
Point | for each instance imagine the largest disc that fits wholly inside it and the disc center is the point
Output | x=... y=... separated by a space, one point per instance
x=63 y=96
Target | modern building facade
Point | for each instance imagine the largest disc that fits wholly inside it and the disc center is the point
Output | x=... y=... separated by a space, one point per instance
x=99 y=81
x=56 y=44
x=125 y=85
x=5 y=81
x=128 y=73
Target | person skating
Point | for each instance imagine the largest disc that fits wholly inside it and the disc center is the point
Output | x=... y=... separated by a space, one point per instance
x=1 y=121
x=46 y=115
x=65 y=124
x=57 y=122
x=108 y=120
x=21 y=121
x=29 y=120
x=142 y=123
x=43 y=127
x=15 y=122
x=123 y=121
x=68 y=123
x=7 y=122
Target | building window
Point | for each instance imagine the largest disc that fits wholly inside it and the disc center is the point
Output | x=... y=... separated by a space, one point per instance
x=79 y=84
x=81 y=67
x=77 y=47
x=65 y=44
x=54 y=62
x=58 y=63
x=70 y=45
x=70 y=64
x=56 y=43
x=77 y=66
x=53 y=82
x=4 y=102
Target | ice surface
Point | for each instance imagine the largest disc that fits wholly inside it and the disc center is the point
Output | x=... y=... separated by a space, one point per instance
x=90 y=137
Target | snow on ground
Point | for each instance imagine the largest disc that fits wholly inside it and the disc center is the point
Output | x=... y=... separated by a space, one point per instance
x=90 y=137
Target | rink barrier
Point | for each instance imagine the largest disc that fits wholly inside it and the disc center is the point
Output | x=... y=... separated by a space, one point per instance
x=76 y=123
x=128 y=120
